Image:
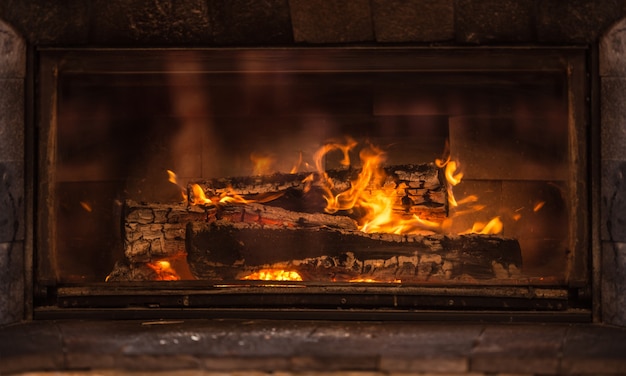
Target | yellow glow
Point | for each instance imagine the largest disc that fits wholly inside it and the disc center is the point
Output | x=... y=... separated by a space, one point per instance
x=273 y=275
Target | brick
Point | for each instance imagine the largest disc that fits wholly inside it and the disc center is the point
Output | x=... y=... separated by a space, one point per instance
x=613 y=289
x=493 y=21
x=518 y=349
x=151 y=23
x=11 y=119
x=12 y=53
x=31 y=346
x=340 y=21
x=612 y=51
x=251 y=22
x=596 y=350
x=613 y=118
x=12 y=222
x=48 y=22
x=576 y=21
x=613 y=201
x=11 y=283
x=413 y=20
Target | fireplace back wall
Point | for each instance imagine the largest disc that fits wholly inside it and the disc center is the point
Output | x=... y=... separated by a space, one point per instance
x=302 y=23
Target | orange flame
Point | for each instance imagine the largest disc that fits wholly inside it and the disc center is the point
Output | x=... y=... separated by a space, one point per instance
x=164 y=271
x=453 y=177
x=371 y=280
x=492 y=227
x=263 y=164
x=369 y=193
x=273 y=275
x=172 y=178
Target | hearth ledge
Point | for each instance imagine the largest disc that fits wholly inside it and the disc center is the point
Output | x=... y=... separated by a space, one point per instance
x=294 y=346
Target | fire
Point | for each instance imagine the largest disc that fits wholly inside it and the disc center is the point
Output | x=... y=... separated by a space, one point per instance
x=172 y=178
x=376 y=200
x=453 y=178
x=274 y=275
x=492 y=227
x=263 y=164
x=371 y=280
x=164 y=271
x=370 y=193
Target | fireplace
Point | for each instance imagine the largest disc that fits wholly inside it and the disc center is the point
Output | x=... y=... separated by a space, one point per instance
x=516 y=118
x=375 y=174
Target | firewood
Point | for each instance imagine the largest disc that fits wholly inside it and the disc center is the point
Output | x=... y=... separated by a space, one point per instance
x=421 y=189
x=154 y=230
x=224 y=250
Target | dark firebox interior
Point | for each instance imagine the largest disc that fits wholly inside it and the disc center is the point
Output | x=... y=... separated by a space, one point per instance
x=119 y=131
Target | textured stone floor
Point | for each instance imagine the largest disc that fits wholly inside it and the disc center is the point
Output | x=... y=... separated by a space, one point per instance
x=255 y=347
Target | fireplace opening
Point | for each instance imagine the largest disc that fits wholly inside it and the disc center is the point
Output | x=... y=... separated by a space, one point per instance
x=398 y=177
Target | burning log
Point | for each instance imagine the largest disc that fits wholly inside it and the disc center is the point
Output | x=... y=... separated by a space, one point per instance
x=420 y=189
x=154 y=231
x=224 y=250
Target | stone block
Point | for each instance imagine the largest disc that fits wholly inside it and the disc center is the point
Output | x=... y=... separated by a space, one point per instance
x=613 y=286
x=518 y=350
x=48 y=22
x=340 y=21
x=447 y=349
x=613 y=201
x=151 y=23
x=613 y=118
x=12 y=53
x=413 y=20
x=613 y=51
x=251 y=22
x=11 y=201
x=494 y=21
x=11 y=283
x=576 y=21
x=593 y=350
x=11 y=119
x=32 y=346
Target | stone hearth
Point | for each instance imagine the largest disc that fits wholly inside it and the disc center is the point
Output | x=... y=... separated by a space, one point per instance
x=29 y=24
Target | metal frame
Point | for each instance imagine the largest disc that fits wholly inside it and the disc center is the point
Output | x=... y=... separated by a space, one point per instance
x=53 y=299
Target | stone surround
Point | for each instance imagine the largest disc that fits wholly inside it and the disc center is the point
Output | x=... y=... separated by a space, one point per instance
x=273 y=347
x=214 y=23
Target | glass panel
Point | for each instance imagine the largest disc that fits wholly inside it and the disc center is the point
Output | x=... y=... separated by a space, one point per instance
x=279 y=205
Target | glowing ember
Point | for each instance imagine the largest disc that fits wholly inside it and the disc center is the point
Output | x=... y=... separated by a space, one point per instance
x=86 y=206
x=164 y=271
x=538 y=206
x=370 y=280
x=273 y=275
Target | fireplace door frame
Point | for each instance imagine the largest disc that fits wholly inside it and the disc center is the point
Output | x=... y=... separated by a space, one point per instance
x=311 y=300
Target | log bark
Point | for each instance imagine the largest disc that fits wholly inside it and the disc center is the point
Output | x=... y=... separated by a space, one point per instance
x=154 y=231
x=229 y=251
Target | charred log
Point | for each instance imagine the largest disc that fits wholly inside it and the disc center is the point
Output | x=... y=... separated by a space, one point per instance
x=420 y=188
x=226 y=250
x=154 y=231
